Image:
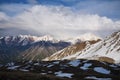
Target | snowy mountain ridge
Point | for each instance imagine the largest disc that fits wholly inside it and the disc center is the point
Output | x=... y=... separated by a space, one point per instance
x=32 y=39
x=104 y=50
x=109 y=47
x=28 y=47
x=84 y=37
x=71 y=50
x=26 y=39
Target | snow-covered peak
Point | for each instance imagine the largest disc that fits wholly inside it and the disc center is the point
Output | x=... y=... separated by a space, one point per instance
x=27 y=39
x=36 y=38
x=20 y=38
x=84 y=37
x=46 y=38
x=88 y=37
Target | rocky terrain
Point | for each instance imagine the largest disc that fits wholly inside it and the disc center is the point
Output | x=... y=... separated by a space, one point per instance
x=107 y=49
x=70 y=50
x=59 y=70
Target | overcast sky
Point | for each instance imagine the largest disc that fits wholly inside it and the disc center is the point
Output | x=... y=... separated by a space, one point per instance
x=60 y=18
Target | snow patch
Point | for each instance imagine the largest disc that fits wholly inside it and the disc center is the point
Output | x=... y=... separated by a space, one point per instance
x=86 y=66
x=50 y=66
x=13 y=67
x=56 y=62
x=112 y=65
x=74 y=63
x=24 y=70
x=60 y=74
x=101 y=70
x=95 y=78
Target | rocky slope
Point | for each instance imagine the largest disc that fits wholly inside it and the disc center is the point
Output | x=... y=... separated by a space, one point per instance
x=70 y=50
x=42 y=49
x=105 y=50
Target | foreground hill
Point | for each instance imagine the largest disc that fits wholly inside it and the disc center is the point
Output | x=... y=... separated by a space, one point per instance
x=60 y=70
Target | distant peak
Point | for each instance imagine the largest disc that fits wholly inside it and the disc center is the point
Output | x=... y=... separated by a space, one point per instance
x=41 y=38
x=84 y=37
x=88 y=36
x=29 y=38
x=47 y=38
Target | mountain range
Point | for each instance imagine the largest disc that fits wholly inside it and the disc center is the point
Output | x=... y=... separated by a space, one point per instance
x=47 y=48
x=16 y=47
x=27 y=47
x=107 y=49
x=86 y=57
x=70 y=50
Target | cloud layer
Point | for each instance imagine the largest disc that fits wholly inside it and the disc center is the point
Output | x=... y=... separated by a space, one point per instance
x=58 y=21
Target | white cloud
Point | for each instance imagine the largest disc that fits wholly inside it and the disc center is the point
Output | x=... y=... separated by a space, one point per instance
x=3 y=16
x=58 y=21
